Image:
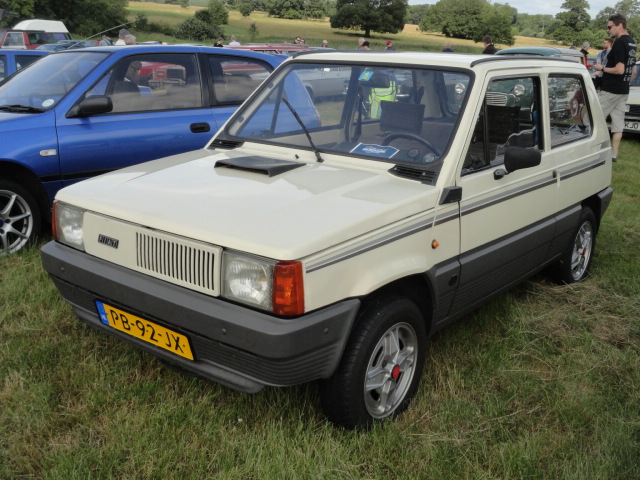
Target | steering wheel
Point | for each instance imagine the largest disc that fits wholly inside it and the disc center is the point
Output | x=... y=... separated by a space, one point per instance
x=410 y=136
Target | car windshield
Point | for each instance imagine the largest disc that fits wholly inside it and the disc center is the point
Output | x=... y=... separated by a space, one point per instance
x=386 y=113
x=47 y=81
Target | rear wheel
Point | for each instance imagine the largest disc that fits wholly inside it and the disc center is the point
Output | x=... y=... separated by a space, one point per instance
x=20 y=218
x=381 y=366
x=575 y=261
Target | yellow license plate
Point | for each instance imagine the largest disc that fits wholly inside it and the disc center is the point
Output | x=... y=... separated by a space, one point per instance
x=145 y=330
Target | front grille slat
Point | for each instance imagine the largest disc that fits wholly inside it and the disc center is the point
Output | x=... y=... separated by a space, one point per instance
x=177 y=261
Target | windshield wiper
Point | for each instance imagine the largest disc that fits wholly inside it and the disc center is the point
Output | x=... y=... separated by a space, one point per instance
x=21 y=108
x=306 y=131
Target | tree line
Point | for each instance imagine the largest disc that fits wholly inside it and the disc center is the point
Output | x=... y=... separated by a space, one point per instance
x=463 y=19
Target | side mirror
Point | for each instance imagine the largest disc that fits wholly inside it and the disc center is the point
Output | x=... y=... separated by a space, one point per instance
x=517 y=158
x=93 y=105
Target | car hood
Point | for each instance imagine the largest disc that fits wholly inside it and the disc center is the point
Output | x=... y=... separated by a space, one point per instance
x=286 y=216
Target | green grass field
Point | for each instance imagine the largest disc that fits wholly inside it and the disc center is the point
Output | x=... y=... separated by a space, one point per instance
x=277 y=30
x=542 y=383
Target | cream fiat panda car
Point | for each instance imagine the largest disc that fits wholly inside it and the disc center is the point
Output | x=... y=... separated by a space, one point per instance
x=327 y=237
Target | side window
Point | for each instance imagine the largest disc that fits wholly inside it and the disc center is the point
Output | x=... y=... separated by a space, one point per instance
x=152 y=82
x=569 y=110
x=24 y=60
x=14 y=39
x=3 y=67
x=236 y=78
x=509 y=117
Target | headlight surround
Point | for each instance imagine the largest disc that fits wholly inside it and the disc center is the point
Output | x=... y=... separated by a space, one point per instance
x=67 y=225
x=248 y=279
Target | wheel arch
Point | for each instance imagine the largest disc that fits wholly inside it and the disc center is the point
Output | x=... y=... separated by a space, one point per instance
x=30 y=181
x=416 y=288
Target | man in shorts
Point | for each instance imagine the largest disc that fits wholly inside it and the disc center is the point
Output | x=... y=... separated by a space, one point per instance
x=617 y=72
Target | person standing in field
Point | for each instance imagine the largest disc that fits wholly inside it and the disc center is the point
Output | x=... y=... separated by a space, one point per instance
x=617 y=72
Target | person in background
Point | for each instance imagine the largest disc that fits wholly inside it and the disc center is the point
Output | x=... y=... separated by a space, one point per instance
x=298 y=41
x=447 y=47
x=360 y=43
x=489 y=47
x=105 y=41
x=617 y=72
x=234 y=41
x=129 y=39
x=121 y=34
x=365 y=46
x=218 y=43
x=585 y=53
x=389 y=46
x=325 y=44
x=601 y=59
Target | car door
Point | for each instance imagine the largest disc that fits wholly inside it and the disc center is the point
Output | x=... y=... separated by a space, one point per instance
x=160 y=108
x=506 y=219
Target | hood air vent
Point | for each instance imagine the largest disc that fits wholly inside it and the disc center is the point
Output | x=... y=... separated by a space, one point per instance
x=224 y=144
x=259 y=165
x=423 y=176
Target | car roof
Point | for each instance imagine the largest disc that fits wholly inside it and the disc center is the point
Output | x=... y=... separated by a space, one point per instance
x=451 y=60
x=22 y=51
x=543 y=51
x=123 y=50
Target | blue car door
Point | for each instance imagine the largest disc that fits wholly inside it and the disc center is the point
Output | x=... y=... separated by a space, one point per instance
x=160 y=108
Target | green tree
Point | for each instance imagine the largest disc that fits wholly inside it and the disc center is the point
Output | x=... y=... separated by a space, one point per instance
x=219 y=13
x=15 y=10
x=571 y=23
x=471 y=19
x=245 y=7
x=295 y=9
x=415 y=13
x=383 y=16
x=197 y=30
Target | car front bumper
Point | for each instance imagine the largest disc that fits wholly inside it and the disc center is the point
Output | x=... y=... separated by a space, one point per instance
x=233 y=345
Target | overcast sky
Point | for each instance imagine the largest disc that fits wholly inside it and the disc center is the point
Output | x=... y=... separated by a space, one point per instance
x=544 y=7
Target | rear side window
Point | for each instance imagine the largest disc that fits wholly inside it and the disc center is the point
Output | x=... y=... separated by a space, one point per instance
x=24 y=60
x=234 y=79
x=509 y=117
x=570 y=114
x=3 y=67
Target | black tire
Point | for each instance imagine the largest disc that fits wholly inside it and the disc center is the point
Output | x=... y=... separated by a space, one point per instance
x=347 y=398
x=20 y=217
x=575 y=261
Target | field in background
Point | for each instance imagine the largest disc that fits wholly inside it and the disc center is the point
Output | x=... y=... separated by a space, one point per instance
x=277 y=30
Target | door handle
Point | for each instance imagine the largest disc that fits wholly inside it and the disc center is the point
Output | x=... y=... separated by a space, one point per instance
x=200 y=127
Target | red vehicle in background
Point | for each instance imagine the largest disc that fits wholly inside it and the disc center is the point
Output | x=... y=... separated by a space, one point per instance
x=30 y=34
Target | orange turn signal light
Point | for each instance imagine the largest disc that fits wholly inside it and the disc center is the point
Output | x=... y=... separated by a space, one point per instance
x=288 y=289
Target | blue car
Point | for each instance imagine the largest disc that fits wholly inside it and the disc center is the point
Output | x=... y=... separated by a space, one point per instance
x=80 y=113
x=13 y=60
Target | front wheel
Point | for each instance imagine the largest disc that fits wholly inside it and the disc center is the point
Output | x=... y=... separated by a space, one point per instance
x=381 y=366
x=575 y=261
x=20 y=219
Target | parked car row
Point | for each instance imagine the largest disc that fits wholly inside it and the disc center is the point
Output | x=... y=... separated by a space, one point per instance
x=80 y=113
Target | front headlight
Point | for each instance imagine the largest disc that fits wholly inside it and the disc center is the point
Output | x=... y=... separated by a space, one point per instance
x=247 y=279
x=277 y=287
x=67 y=225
